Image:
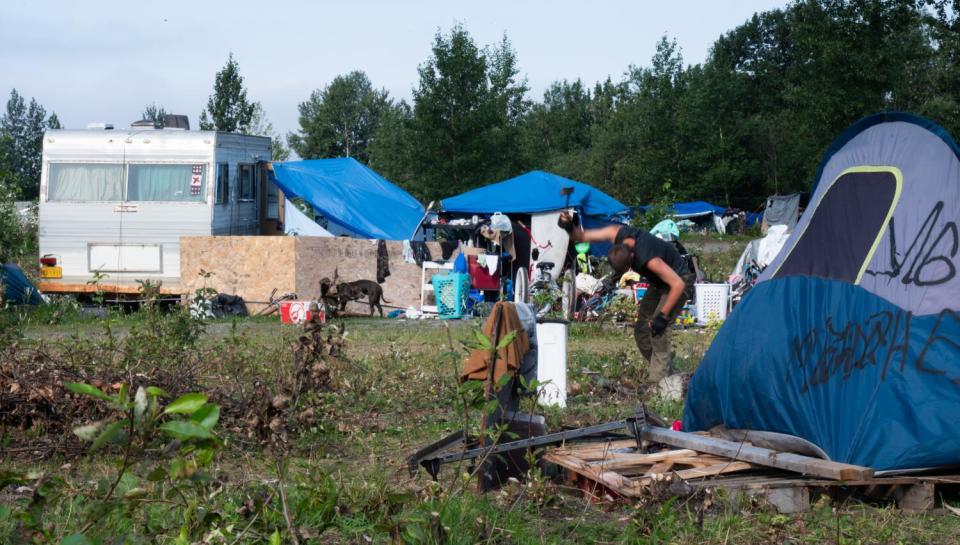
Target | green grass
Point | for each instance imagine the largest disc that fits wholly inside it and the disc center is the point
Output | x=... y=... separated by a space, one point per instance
x=396 y=391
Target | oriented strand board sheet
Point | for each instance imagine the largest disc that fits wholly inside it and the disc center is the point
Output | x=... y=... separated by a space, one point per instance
x=248 y=266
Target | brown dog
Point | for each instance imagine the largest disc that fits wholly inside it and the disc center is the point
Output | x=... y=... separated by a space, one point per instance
x=353 y=291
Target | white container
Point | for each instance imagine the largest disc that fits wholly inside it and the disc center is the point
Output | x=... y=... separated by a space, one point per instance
x=552 y=363
x=713 y=301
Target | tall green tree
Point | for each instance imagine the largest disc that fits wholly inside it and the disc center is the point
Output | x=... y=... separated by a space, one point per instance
x=558 y=132
x=641 y=142
x=943 y=21
x=228 y=108
x=23 y=126
x=261 y=126
x=340 y=119
x=392 y=147
x=791 y=80
x=467 y=109
x=154 y=113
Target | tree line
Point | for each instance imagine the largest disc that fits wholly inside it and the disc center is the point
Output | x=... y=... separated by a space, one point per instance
x=753 y=119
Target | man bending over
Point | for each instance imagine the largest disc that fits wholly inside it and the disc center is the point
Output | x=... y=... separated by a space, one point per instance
x=671 y=284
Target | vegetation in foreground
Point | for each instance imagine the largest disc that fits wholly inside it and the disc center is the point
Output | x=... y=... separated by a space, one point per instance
x=222 y=452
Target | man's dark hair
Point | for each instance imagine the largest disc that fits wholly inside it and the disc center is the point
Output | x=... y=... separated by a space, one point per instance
x=621 y=258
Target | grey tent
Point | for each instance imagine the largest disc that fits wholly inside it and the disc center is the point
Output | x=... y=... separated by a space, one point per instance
x=782 y=210
x=851 y=337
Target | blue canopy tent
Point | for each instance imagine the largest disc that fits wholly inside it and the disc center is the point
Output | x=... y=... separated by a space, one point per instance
x=535 y=191
x=352 y=196
x=694 y=209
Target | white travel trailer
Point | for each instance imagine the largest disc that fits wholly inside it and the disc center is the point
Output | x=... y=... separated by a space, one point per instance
x=116 y=202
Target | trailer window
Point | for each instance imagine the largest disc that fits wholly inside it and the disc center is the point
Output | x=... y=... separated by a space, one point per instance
x=84 y=182
x=223 y=183
x=176 y=183
x=248 y=190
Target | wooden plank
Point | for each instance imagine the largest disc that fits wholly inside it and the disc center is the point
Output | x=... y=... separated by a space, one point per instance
x=702 y=460
x=107 y=288
x=710 y=471
x=746 y=453
x=614 y=481
x=660 y=467
x=629 y=460
x=588 y=451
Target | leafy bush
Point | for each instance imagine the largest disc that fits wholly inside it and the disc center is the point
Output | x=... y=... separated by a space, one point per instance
x=165 y=451
x=18 y=237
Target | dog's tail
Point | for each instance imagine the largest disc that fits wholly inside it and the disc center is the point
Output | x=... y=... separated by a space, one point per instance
x=384 y=299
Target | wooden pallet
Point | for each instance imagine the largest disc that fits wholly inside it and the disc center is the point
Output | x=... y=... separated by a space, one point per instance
x=617 y=470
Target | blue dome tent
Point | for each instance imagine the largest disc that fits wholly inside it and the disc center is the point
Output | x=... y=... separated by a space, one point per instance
x=851 y=337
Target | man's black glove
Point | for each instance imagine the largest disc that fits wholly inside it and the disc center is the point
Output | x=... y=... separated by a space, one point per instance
x=659 y=324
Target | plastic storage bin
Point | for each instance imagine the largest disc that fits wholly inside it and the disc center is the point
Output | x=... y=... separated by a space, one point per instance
x=480 y=277
x=450 y=291
x=712 y=300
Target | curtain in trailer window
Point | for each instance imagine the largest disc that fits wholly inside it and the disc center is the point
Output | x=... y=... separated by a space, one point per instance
x=177 y=183
x=223 y=183
x=247 y=191
x=84 y=182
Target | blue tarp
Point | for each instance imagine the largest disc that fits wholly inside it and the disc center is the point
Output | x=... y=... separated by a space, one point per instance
x=17 y=289
x=865 y=380
x=691 y=209
x=696 y=208
x=351 y=195
x=535 y=191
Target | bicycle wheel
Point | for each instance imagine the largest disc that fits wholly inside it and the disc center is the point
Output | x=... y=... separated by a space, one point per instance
x=544 y=296
x=568 y=297
x=521 y=292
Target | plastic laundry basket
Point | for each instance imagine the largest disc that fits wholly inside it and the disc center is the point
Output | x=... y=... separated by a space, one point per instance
x=712 y=302
x=450 y=291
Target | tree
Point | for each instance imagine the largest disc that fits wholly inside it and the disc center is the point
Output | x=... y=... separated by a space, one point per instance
x=557 y=133
x=155 y=113
x=261 y=126
x=640 y=148
x=23 y=125
x=340 y=119
x=392 y=146
x=467 y=109
x=228 y=109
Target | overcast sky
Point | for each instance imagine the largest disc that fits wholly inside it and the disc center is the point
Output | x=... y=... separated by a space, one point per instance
x=95 y=60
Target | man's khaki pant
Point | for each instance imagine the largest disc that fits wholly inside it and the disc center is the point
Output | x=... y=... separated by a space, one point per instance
x=657 y=350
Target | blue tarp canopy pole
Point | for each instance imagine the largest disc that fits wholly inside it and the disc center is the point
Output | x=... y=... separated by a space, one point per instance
x=533 y=192
x=352 y=196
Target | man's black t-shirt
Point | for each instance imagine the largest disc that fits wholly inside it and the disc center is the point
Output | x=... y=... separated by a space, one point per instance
x=647 y=247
